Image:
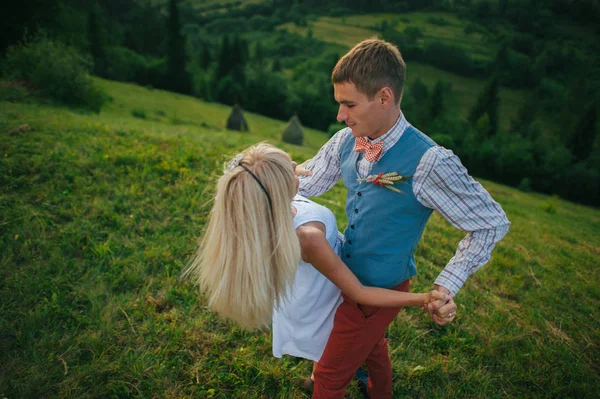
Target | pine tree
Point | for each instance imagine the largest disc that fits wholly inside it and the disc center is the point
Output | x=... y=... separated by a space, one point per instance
x=206 y=57
x=224 y=58
x=581 y=140
x=500 y=64
x=418 y=94
x=502 y=7
x=177 y=76
x=526 y=116
x=487 y=104
x=437 y=104
x=95 y=42
x=239 y=57
x=259 y=56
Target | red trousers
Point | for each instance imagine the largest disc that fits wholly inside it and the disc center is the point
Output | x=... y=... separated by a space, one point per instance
x=358 y=337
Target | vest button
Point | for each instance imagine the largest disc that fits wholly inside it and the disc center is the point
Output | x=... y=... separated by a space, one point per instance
x=352 y=227
x=347 y=255
x=350 y=242
x=356 y=210
x=359 y=194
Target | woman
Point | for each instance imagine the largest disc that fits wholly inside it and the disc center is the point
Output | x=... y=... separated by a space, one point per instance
x=268 y=256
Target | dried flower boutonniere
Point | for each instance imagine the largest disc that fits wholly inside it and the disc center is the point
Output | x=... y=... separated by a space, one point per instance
x=386 y=180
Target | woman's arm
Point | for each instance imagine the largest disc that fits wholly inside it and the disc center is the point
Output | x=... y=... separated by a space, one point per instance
x=317 y=251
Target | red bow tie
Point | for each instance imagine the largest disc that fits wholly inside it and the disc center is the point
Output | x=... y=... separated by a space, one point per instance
x=372 y=151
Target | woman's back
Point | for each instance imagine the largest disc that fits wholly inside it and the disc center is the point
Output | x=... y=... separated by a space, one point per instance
x=303 y=320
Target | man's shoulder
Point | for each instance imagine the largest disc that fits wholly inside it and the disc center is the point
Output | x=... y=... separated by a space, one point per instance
x=342 y=134
x=336 y=141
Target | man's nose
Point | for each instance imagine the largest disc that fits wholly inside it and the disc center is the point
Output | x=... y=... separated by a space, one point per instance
x=342 y=115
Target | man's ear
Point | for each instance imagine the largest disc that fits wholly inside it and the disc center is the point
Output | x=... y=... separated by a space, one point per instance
x=385 y=97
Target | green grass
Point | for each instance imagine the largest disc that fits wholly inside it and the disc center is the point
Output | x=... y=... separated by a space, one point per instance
x=99 y=213
x=349 y=30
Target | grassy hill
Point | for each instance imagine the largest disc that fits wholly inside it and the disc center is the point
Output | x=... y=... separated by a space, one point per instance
x=439 y=26
x=101 y=212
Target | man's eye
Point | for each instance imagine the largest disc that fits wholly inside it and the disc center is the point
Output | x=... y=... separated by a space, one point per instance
x=350 y=105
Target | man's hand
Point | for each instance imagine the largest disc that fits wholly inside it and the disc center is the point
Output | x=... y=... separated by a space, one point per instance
x=302 y=171
x=442 y=311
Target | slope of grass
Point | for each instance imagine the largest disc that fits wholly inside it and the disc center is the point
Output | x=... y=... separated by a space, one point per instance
x=347 y=31
x=436 y=26
x=99 y=213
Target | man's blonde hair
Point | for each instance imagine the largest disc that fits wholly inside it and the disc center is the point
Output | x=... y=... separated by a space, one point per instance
x=249 y=254
x=371 y=65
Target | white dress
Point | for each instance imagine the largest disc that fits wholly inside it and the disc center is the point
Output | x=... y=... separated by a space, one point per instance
x=303 y=321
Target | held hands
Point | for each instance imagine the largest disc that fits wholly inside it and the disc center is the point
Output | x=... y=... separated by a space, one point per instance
x=442 y=311
x=431 y=298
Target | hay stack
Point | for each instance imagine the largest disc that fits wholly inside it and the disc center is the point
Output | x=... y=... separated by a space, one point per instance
x=236 y=120
x=293 y=133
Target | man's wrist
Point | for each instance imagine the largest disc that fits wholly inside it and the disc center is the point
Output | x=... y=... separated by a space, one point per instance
x=441 y=289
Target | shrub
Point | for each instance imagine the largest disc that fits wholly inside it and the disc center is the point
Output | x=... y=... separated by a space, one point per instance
x=448 y=57
x=126 y=65
x=437 y=21
x=138 y=113
x=334 y=128
x=525 y=185
x=550 y=206
x=445 y=140
x=14 y=92
x=56 y=71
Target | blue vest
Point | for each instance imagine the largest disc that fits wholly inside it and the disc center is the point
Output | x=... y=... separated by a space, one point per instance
x=384 y=226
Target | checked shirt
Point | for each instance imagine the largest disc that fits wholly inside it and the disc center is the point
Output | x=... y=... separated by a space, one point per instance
x=440 y=183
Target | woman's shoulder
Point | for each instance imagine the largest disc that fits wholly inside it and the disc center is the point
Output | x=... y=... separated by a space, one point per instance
x=310 y=211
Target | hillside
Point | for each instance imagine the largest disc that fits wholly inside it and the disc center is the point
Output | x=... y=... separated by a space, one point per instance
x=100 y=212
x=436 y=26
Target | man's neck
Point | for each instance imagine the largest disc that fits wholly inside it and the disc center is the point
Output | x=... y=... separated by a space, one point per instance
x=390 y=121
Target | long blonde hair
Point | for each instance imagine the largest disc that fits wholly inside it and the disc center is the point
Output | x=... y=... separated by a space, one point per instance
x=248 y=256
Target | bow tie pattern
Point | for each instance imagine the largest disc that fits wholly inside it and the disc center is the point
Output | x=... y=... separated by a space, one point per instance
x=372 y=151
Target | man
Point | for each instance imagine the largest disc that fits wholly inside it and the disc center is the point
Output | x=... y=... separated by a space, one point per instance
x=385 y=226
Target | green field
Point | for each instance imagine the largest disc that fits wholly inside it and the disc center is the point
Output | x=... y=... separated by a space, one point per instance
x=347 y=31
x=99 y=213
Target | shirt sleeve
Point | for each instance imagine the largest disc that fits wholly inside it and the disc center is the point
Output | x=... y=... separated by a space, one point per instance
x=325 y=167
x=443 y=184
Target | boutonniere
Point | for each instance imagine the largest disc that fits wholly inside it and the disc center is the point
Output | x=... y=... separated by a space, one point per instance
x=386 y=180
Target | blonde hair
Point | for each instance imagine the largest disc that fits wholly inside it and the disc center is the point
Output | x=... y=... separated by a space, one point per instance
x=371 y=65
x=249 y=254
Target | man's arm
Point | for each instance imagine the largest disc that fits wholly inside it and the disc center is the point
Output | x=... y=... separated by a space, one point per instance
x=442 y=183
x=325 y=167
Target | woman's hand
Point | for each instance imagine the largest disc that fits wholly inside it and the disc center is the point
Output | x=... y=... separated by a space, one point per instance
x=434 y=296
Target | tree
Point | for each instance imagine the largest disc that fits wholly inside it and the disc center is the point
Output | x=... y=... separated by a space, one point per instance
x=276 y=67
x=502 y=7
x=259 y=56
x=95 y=43
x=416 y=101
x=206 y=57
x=581 y=140
x=224 y=58
x=178 y=77
x=437 y=103
x=487 y=105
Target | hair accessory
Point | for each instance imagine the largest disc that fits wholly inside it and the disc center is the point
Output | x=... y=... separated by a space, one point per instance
x=234 y=163
x=260 y=184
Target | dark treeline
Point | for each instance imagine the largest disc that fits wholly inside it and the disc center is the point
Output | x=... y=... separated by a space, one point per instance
x=235 y=54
